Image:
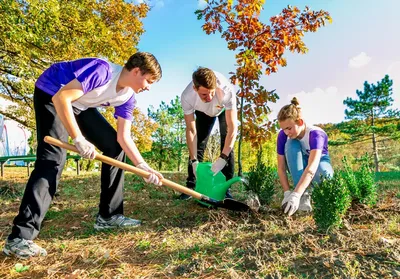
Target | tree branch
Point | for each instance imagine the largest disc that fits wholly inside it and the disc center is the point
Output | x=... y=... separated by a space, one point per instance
x=25 y=123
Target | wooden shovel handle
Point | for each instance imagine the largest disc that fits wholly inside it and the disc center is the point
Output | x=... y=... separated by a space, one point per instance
x=127 y=167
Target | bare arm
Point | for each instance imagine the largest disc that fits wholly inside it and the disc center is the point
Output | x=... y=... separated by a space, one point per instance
x=191 y=135
x=62 y=101
x=125 y=140
x=309 y=172
x=128 y=145
x=231 y=122
x=282 y=173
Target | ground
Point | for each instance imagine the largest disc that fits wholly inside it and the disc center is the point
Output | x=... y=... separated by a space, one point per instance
x=180 y=239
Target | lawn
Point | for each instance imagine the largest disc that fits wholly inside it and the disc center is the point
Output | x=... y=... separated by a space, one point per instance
x=180 y=239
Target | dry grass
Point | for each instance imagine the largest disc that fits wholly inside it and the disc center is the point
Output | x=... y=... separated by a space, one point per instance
x=183 y=240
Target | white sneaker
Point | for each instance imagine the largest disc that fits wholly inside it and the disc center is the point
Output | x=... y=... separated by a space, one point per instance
x=115 y=221
x=305 y=202
x=23 y=249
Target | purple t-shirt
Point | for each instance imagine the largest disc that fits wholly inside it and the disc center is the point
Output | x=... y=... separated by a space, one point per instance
x=314 y=138
x=98 y=79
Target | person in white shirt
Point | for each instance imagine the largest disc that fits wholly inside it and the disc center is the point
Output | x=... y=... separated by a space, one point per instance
x=209 y=96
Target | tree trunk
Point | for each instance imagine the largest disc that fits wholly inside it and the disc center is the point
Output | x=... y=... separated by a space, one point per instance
x=240 y=137
x=161 y=160
x=180 y=155
x=375 y=148
x=374 y=145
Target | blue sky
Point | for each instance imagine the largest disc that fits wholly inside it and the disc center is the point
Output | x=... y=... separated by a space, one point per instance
x=361 y=44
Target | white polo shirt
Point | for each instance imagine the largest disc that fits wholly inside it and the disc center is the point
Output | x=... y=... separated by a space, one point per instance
x=224 y=98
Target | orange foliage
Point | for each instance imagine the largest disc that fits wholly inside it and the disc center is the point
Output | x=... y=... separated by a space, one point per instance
x=142 y=127
x=260 y=48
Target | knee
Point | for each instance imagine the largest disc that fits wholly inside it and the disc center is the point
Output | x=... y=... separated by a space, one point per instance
x=292 y=146
x=113 y=149
x=326 y=173
x=50 y=165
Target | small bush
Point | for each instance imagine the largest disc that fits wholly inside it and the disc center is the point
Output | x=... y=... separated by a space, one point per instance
x=331 y=199
x=262 y=180
x=350 y=180
x=366 y=183
x=361 y=183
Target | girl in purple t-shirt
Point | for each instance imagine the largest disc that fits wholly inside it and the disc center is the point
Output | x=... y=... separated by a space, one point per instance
x=303 y=150
x=66 y=99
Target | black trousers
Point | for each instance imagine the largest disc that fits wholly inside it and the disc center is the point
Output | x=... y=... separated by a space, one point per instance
x=50 y=160
x=204 y=125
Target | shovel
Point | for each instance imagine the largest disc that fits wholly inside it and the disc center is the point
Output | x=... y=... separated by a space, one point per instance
x=230 y=204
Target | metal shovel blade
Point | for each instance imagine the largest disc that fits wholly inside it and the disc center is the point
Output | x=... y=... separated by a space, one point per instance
x=232 y=204
x=229 y=204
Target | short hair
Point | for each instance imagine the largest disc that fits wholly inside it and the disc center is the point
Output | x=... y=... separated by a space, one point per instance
x=204 y=77
x=292 y=111
x=147 y=64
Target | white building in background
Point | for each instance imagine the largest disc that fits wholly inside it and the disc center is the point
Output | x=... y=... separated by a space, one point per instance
x=13 y=136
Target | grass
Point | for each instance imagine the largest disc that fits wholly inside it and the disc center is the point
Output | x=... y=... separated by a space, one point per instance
x=183 y=240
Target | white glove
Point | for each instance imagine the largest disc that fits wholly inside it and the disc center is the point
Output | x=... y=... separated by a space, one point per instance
x=85 y=148
x=292 y=204
x=285 y=197
x=194 y=167
x=218 y=165
x=154 y=177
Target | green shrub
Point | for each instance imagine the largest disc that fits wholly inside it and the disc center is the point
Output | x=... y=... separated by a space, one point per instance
x=366 y=183
x=262 y=180
x=350 y=180
x=361 y=183
x=331 y=199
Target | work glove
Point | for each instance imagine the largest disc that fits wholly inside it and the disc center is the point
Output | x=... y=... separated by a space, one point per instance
x=218 y=165
x=194 y=167
x=286 y=195
x=154 y=178
x=292 y=203
x=305 y=202
x=85 y=148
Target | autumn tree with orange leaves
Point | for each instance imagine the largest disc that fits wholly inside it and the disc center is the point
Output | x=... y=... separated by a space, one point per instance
x=259 y=49
x=142 y=127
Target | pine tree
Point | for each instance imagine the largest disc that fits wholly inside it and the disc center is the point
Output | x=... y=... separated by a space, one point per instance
x=371 y=115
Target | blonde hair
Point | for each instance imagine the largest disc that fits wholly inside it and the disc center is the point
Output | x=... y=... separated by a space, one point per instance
x=147 y=64
x=204 y=77
x=292 y=111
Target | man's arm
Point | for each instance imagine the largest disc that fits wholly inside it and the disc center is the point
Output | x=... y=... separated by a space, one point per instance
x=191 y=135
x=282 y=173
x=62 y=101
x=231 y=122
x=125 y=140
x=128 y=145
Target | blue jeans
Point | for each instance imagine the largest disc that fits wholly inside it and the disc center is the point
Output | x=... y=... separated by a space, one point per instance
x=297 y=162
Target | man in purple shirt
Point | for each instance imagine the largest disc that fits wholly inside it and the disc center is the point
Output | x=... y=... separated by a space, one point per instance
x=66 y=98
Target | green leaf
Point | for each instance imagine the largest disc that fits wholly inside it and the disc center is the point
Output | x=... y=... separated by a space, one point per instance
x=19 y=267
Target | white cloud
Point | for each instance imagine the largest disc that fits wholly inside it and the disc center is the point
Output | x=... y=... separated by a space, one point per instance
x=138 y=2
x=201 y=4
x=359 y=61
x=318 y=106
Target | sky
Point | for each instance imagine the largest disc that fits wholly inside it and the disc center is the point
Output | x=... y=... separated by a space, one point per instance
x=362 y=44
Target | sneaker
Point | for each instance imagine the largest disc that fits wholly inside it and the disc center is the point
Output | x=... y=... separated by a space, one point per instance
x=23 y=249
x=116 y=221
x=184 y=197
x=305 y=202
